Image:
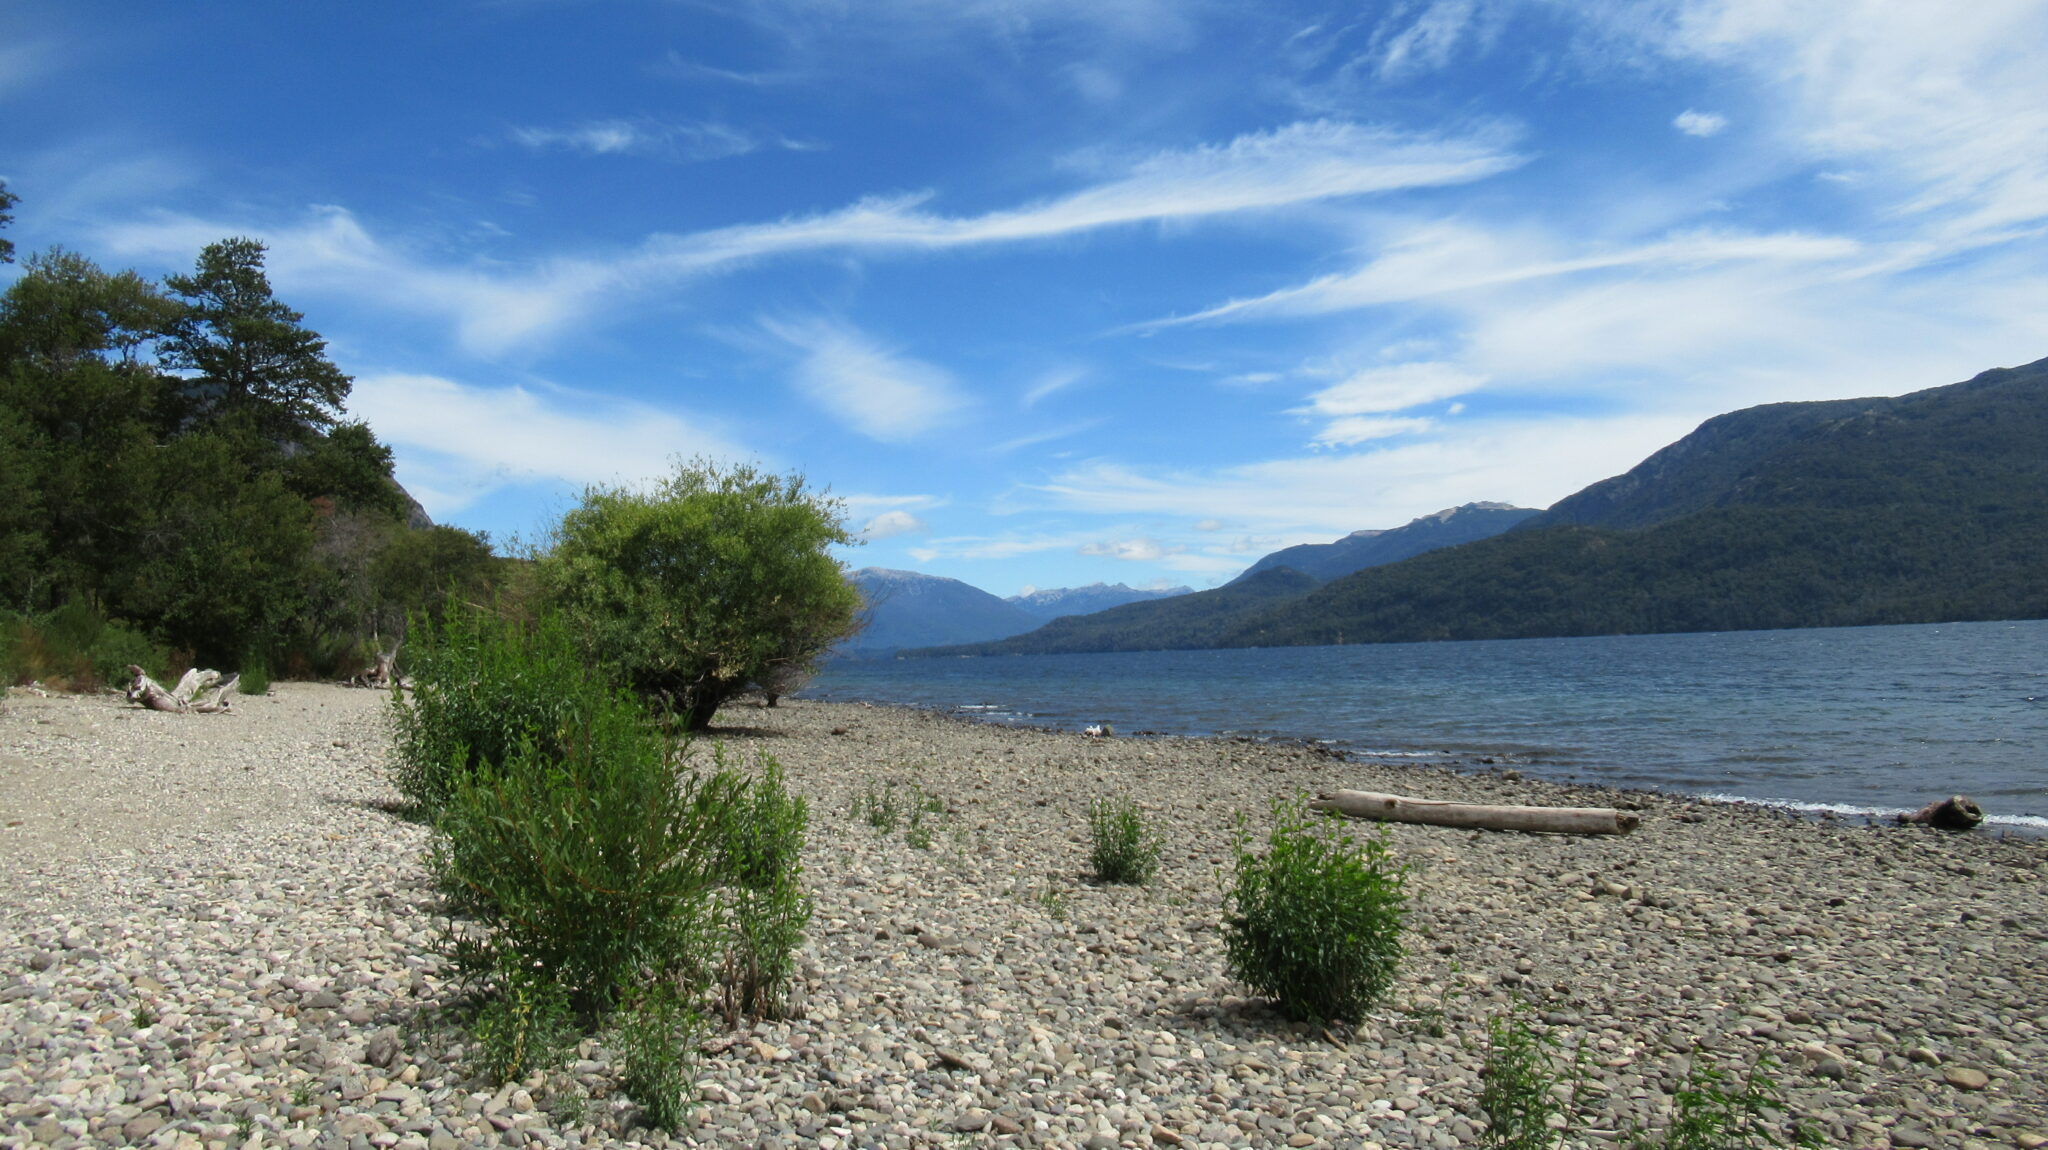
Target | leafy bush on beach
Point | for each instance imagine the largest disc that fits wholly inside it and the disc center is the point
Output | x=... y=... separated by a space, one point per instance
x=1125 y=849
x=1518 y=1085
x=483 y=688
x=1714 y=1113
x=73 y=648
x=1315 y=921
x=763 y=904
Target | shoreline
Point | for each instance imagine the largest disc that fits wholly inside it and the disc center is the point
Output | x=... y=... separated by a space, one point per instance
x=255 y=904
x=1995 y=825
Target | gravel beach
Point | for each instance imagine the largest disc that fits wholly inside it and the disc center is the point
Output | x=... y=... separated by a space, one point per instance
x=214 y=932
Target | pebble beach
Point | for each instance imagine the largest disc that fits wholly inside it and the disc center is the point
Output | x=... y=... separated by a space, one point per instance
x=216 y=932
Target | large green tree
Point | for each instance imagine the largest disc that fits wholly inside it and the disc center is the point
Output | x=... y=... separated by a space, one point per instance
x=693 y=590
x=248 y=359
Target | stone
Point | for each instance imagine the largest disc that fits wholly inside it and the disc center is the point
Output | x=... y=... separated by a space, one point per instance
x=972 y=1120
x=383 y=1048
x=142 y=1126
x=1966 y=1078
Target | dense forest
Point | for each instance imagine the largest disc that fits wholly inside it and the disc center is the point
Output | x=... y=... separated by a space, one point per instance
x=1929 y=507
x=179 y=482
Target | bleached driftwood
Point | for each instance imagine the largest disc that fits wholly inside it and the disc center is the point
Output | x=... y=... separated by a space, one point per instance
x=1440 y=813
x=1955 y=813
x=378 y=674
x=180 y=699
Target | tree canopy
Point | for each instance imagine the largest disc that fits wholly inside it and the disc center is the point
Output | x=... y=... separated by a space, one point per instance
x=715 y=579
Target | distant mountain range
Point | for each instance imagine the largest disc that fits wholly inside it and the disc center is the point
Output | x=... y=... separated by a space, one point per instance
x=1054 y=602
x=912 y=609
x=1362 y=549
x=1927 y=507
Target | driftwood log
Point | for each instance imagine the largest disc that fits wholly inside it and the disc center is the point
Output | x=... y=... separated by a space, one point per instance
x=1955 y=813
x=379 y=673
x=1441 y=813
x=183 y=698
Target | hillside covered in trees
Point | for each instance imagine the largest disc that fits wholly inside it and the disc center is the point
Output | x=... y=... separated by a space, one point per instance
x=179 y=481
x=1928 y=507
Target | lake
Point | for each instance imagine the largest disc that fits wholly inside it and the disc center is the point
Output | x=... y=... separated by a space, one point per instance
x=1864 y=720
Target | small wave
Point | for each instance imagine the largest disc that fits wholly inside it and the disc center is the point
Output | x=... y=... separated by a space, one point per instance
x=2031 y=822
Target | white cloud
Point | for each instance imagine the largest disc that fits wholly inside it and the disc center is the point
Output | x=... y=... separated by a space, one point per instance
x=496 y=307
x=1426 y=43
x=1393 y=388
x=1355 y=429
x=865 y=504
x=1694 y=123
x=1531 y=463
x=1419 y=261
x=456 y=443
x=700 y=140
x=1952 y=99
x=877 y=392
x=892 y=523
x=1133 y=550
x=1059 y=379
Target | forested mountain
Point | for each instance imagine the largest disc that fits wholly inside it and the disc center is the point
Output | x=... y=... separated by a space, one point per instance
x=912 y=609
x=1927 y=507
x=1184 y=621
x=1361 y=549
x=175 y=463
x=1057 y=602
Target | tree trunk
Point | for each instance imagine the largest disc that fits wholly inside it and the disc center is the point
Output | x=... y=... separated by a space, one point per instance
x=1437 y=812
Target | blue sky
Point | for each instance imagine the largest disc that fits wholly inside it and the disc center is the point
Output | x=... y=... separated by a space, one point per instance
x=1053 y=291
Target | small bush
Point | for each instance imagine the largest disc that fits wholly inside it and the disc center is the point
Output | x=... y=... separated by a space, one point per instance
x=255 y=678
x=1125 y=850
x=1315 y=922
x=1518 y=1079
x=1713 y=1114
x=523 y=1023
x=484 y=687
x=885 y=807
x=74 y=649
x=764 y=907
x=656 y=1032
x=595 y=862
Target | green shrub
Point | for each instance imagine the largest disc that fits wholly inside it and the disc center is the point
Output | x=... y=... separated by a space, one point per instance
x=1713 y=1114
x=74 y=649
x=1124 y=849
x=595 y=862
x=764 y=907
x=255 y=678
x=1315 y=922
x=1518 y=1079
x=483 y=687
x=887 y=805
x=523 y=1022
x=655 y=1034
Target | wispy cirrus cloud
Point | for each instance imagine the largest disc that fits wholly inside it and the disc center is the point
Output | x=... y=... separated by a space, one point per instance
x=1438 y=258
x=697 y=140
x=496 y=307
x=874 y=390
x=459 y=442
x=1695 y=123
x=1952 y=100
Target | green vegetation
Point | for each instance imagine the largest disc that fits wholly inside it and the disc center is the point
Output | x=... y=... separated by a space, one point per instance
x=596 y=879
x=764 y=905
x=1125 y=850
x=1519 y=1085
x=73 y=648
x=1315 y=922
x=174 y=459
x=1714 y=1114
x=716 y=579
x=889 y=804
x=1924 y=508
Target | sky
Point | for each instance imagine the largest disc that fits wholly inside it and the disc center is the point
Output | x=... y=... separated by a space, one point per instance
x=1057 y=291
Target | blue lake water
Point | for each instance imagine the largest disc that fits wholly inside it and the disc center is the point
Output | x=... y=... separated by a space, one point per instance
x=1857 y=720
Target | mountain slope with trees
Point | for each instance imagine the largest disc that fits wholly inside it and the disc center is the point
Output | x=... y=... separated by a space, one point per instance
x=1926 y=507
x=1450 y=527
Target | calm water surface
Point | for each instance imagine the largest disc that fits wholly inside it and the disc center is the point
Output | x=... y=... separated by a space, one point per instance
x=1858 y=720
